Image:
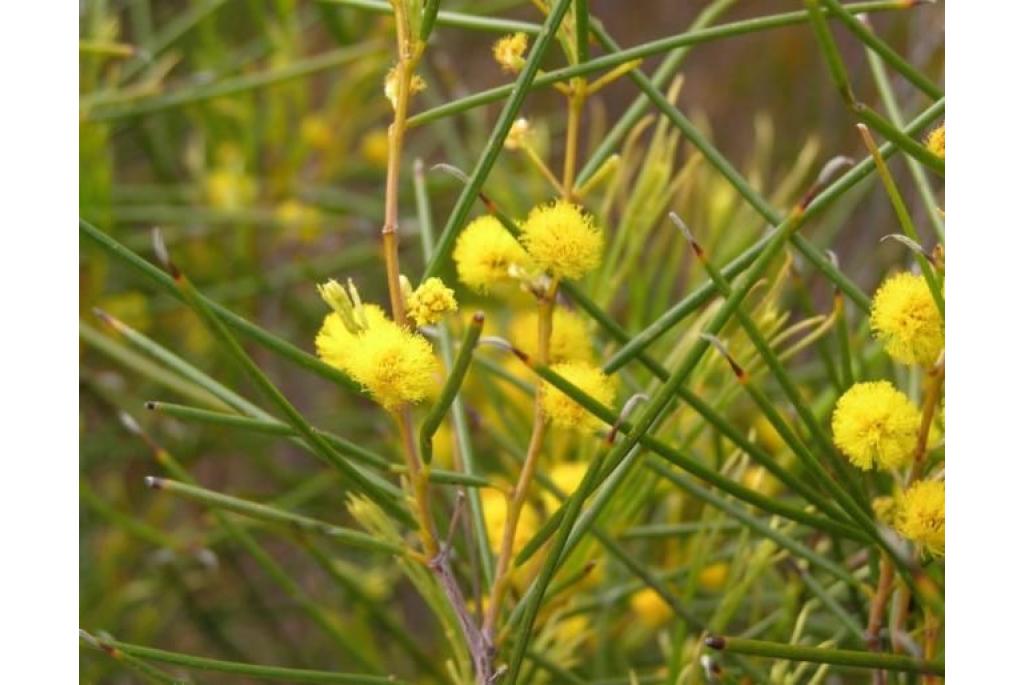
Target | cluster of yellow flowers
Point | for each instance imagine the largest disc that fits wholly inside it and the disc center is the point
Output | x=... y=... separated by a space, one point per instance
x=394 y=364
x=874 y=424
x=558 y=240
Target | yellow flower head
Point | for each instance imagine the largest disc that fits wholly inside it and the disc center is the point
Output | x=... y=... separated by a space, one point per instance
x=508 y=52
x=937 y=141
x=395 y=365
x=569 y=339
x=650 y=608
x=484 y=252
x=874 y=423
x=429 y=302
x=562 y=239
x=495 y=506
x=336 y=344
x=562 y=410
x=922 y=515
x=904 y=317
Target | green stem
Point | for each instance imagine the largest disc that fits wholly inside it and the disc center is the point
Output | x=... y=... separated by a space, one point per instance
x=688 y=464
x=623 y=56
x=149 y=673
x=274 y=427
x=581 y=15
x=451 y=387
x=276 y=345
x=467 y=457
x=263 y=512
x=267 y=564
x=819 y=655
x=843 y=336
x=892 y=108
x=903 y=216
x=107 y=109
x=275 y=673
x=880 y=48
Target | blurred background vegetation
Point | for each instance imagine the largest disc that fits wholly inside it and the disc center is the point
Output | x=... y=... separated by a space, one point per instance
x=253 y=132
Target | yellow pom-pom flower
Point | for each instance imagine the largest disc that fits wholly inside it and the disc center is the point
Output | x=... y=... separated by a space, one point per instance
x=650 y=608
x=395 y=365
x=429 y=302
x=562 y=239
x=509 y=50
x=874 y=423
x=922 y=515
x=569 y=338
x=335 y=343
x=484 y=253
x=563 y=411
x=904 y=317
x=936 y=142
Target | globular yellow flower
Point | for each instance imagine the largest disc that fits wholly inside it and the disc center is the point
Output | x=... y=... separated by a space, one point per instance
x=564 y=412
x=395 y=365
x=562 y=239
x=569 y=338
x=336 y=344
x=713 y=576
x=566 y=476
x=650 y=608
x=936 y=142
x=429 y=302
x=874 y=423
x=484 y=253
x=921 y=515
x=509 y=50
x=907 y=321
x=495 y=510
